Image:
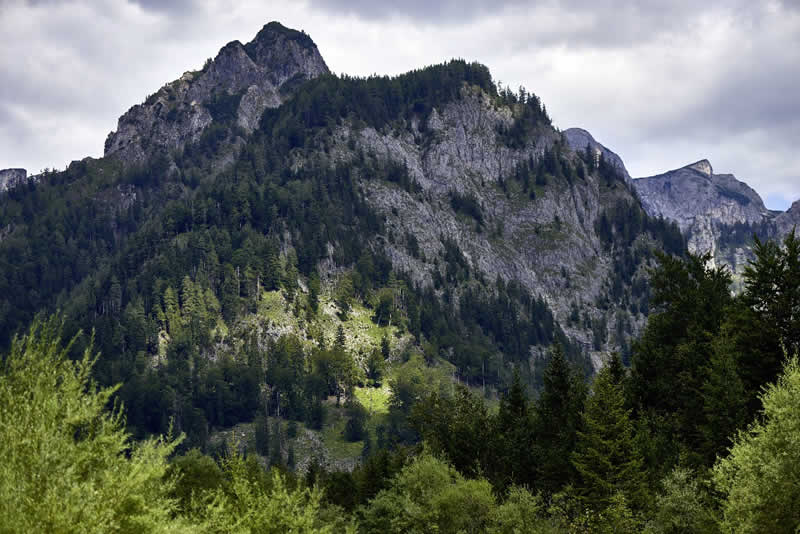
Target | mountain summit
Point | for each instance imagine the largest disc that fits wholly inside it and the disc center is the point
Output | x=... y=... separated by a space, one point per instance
x=239 y=83
x=694 y=194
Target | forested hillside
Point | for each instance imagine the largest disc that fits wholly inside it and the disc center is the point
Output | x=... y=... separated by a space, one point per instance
x=392 y=304
x=715 y=454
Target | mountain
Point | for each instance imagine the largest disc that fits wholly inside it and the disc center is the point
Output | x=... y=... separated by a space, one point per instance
x=718 y=213
x=391 y=291
x=261 y=235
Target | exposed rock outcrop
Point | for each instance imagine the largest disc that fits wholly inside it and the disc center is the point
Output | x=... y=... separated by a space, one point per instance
x=789 y=220
x=694 y=193
x=578 y=139
x=548 y=244
x=11 y=177
x=718 y=213
x=707 y=206
x=243 y=80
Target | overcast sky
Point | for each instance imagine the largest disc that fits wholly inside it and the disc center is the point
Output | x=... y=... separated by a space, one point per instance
x=661 y=83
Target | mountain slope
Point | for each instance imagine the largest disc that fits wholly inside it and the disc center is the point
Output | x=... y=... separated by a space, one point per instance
x=217 y=261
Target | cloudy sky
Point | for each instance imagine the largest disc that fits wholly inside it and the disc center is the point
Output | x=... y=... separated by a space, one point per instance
x=661 y=83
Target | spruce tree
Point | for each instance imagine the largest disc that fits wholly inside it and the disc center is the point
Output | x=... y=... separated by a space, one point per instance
x=557 y=418
x=513 y=432
x=605 y=458
x=724 y=401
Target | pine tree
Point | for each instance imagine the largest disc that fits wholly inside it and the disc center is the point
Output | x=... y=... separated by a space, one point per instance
x=724 y=401
x=173 y=312
x=557 y=418
x=513 y=433
x=261 y=427
x=313 y=292
x=605 y=457
x=275 y=454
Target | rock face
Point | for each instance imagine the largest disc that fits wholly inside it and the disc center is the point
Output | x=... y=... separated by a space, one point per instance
x=239 y=84
x=788 y=220
x=578 y=139
x=694 y=193
x=548 y=244
x=11 y=177
x=707 y=207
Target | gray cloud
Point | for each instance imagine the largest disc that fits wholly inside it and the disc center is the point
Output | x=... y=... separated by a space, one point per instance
x=661 y=83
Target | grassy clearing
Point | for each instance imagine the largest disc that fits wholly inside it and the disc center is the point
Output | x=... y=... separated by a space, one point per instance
x=375 y=400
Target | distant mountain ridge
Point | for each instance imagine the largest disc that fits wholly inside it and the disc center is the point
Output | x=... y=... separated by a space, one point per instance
x=718 y=213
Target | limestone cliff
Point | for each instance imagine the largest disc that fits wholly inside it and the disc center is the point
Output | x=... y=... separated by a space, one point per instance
x=11 y=177
x=718 y=213
x=240 y=83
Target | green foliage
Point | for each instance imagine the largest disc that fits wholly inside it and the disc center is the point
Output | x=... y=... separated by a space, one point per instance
x=467 y=204
x=430 y=495
x=682 y=506
x=248 y=504
x=376 y=100
x=523 y=513
x=512 y=433
x=670 y=361
x=529 y=113
x=223 y=107
x=354 y=429
x=772 y=291
x=557 y=421
x=194 y=474
x=67 y=461
x=724 y=399
x=376 y=365
x=456 y=427
x=760 y=478
x=605 y=455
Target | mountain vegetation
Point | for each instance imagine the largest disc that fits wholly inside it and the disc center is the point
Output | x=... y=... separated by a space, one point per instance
x=390 y=304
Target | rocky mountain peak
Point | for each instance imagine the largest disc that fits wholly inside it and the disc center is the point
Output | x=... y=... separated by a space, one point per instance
x=703 y=166
x=693 y=191
x=238 y=84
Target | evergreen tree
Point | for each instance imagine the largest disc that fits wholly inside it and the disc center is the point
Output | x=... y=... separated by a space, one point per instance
x=772 y=288
x=724 y=401
x=670 y=361
x=275 y=453
x=605 y=457
x=513 y=430
x=557 y=419
x=261 y=428
x=173 y=312
x=313 y=292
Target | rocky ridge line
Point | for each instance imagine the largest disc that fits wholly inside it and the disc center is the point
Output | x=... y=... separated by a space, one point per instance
x=242 y=79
